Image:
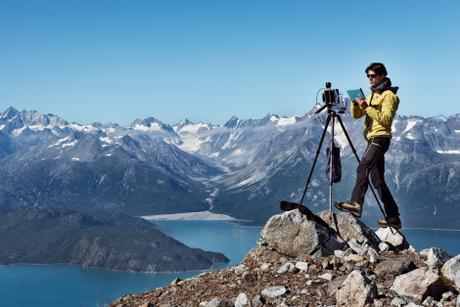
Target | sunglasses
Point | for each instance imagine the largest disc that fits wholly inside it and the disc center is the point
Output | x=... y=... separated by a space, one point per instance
x=371 y=76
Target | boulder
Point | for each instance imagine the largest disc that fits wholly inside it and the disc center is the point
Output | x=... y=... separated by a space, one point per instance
x=326 y=276
x=435 y=257
x=418 y=285
x=274 y=291
x=352 y=230
x=400 y=264
x=176 y=281
x=292 y=234
x=287 y=267
x=397 y=301
x=374 y=257
x=431 y=302
x=242 y=301
x=265 y=266
x=393 y=237
x=356 y=290
x=412 y=304
x=240 y=269
x=448 y=299
x=216 y=302
x=384 y=247
x=451 y=270
x=258 y=301
x=335 y=284
x=353 y=258
x=301 y=265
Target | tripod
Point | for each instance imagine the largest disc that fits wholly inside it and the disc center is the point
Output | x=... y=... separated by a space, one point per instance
x=332 y=117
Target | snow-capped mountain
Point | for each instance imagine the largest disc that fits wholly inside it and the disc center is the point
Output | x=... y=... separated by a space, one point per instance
x=242 y=168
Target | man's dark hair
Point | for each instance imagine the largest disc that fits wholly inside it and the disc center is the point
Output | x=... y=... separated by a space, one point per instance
x=378 y=68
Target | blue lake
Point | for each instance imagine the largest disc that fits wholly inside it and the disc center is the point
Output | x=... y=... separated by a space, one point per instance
x=64 y=285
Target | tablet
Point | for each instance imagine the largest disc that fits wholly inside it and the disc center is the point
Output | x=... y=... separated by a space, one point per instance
x=354 y=94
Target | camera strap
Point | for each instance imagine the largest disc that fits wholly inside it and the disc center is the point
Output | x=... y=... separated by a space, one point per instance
x=372 y=97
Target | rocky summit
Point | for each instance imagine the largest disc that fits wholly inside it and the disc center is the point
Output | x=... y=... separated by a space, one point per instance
x=322 y=261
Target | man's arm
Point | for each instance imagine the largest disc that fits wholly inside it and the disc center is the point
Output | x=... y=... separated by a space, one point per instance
x=385 y=116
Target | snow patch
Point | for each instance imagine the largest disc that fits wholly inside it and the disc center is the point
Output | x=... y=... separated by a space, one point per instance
x=18 y=131
x=252 y=179
x=410 y=124
x=69 y=144
x=109 y=130
x=286 y=121
x=75 y=159
x=59 y=142
x=233 y=137
x=238 y=152
x=214 y=155
x=449 y=152
x=42 y=127
x=153 y=127
x=193 y=128
x=79 y=127
x=106 y=139
x=190 y=216
x=190 y=144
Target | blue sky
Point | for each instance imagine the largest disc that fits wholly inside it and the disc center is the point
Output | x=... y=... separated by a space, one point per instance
x=114 y=61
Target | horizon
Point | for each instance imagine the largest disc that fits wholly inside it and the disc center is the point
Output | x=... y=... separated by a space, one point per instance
x=112 y=61
x=207 y=122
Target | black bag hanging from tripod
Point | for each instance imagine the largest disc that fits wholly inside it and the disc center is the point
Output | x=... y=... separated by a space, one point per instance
x=336 y=164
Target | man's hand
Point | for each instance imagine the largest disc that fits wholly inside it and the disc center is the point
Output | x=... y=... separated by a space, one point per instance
x=361 y=102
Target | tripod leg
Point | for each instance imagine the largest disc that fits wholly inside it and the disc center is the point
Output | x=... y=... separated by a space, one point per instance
x=316 y=157
x=331 y=162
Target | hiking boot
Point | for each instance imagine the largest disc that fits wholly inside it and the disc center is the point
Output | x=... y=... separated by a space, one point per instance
x=393 y=222
x=350 y=206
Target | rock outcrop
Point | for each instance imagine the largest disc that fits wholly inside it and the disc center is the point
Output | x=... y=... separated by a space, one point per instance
x=356 y=290
x=418 y=284
x=294 y=236
x=435 y=257
x=451 y=270
x=303 y=261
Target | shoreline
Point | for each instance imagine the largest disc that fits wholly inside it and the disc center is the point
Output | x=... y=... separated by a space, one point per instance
x=211 y=216
x=192 y=216
x=438 y=229
x=115 y=270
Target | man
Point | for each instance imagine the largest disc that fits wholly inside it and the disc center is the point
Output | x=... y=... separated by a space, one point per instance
x=379 y=108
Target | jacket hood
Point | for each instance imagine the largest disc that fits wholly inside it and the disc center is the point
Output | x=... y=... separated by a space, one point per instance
x=384 y=86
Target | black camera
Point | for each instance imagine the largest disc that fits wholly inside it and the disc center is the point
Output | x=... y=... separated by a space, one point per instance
x=333 y=100
x=330 y=95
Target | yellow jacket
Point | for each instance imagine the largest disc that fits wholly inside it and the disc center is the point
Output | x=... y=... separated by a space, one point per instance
x=379 y=113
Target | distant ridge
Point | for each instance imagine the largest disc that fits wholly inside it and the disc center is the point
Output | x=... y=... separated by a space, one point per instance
x=242 y=168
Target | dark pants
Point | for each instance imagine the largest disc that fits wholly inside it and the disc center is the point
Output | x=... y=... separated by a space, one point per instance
x=373 y=163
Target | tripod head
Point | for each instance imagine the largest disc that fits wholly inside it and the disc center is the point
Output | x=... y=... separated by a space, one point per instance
x=333 y=100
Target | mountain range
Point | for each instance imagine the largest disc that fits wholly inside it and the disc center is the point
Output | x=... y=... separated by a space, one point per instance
x=242 y=168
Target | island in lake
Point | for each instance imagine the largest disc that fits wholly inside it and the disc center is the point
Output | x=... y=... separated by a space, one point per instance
x=108 y=239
